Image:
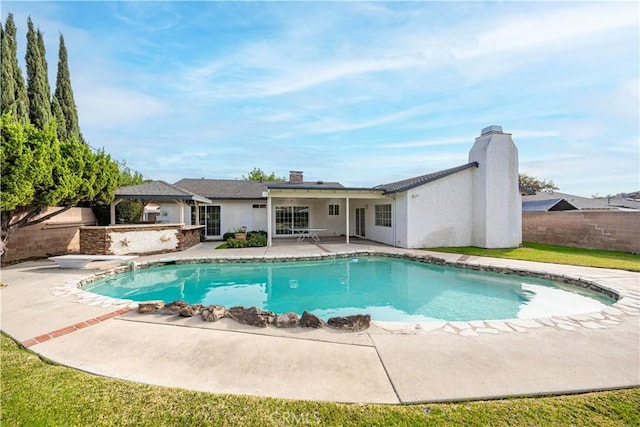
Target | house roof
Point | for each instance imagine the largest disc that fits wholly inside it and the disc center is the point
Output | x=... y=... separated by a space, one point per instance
x=158 y=190
x=547 y=205
x=224 y=188
x=417 y=181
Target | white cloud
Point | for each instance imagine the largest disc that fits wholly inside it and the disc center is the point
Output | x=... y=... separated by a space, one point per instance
x=102 y=106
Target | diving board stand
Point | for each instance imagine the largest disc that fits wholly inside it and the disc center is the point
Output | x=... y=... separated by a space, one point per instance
x=81 y=261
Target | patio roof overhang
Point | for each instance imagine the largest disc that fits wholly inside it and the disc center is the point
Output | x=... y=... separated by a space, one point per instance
x=324 y=193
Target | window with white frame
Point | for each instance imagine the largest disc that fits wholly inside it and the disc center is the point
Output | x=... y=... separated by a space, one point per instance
x=383 y=215
x=334 y=209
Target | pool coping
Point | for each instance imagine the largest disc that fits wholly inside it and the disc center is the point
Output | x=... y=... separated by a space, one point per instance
x=385 y=364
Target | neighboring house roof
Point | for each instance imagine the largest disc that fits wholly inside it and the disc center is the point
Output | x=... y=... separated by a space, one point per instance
x=586 y=202
x=157 y=190
x=547 y=205
x=224 y=188
x=526 y=191
x=407 y=184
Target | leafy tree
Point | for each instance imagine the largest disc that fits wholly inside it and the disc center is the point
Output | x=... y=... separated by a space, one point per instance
x=63 y=96
x=536 y=184
x=258 y=175
x=14 y=94
x=38 y=171
x=38 y=90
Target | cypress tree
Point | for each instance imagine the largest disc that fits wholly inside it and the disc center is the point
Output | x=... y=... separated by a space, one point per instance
x=64 y=97
x=58 y=114
x=14 y=93
x=43 y=61
x=38 y=90
x=7 y=81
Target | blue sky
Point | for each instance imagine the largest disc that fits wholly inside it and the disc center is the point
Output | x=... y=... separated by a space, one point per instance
x=358 y=92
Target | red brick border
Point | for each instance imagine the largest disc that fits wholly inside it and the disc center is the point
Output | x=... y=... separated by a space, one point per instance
x=68 y=329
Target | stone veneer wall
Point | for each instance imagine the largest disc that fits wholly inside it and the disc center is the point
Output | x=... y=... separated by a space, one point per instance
x=58 y=235
x=137 y=239
x=189 y=236
x=609 y=230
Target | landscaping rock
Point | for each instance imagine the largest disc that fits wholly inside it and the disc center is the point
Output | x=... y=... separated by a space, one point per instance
x=150 y=306
x=309 y=320
x=251 y=316
x=357 y=322
x=213 y=313
x=287 y=320
x=191 y=310
x=174 y=307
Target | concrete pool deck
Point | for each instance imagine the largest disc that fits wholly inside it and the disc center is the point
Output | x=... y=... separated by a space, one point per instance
x=388 y=363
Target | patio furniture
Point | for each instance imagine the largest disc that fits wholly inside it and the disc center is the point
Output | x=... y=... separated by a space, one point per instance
x=304 y=233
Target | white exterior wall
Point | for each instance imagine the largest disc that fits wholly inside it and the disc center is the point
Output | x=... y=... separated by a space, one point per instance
x=440 y=213
x=376 y=233
x=238 y=213
x=497 y=205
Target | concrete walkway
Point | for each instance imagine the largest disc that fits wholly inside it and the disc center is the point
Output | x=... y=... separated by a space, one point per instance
x=388 y=363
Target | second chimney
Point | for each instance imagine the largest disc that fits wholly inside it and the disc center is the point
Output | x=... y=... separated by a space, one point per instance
x=295 y=177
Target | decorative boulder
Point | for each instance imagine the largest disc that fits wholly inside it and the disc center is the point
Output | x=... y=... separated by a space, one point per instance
x=174 y=307
x=251 y=316
x=150 y=306
x=213 y=313
x=309 y=320
x=357 y=322
x=191 y=310
x=287 y=320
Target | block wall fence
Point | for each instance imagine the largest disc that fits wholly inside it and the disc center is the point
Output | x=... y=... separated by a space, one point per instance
x=59 y=235
x=608 y=230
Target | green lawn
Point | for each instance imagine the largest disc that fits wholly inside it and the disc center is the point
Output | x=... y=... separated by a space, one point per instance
x=556 y=255
x=36 y=393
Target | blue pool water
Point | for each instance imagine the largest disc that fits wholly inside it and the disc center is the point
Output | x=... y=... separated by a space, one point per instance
x=389 y=289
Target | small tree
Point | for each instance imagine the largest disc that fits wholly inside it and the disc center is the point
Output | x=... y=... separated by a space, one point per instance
x=258 y=175
x=39 y=171
x=536 y=184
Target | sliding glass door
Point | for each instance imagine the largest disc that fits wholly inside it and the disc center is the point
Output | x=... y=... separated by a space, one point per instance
x=291 y=217
x=210 y=218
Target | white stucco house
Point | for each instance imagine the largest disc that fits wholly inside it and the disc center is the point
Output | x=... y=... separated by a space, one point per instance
x=474 y=204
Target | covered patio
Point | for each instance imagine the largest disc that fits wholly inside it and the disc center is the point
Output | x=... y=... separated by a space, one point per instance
x=317 y=212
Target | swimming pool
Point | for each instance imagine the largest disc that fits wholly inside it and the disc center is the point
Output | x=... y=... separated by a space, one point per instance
x=390 y=289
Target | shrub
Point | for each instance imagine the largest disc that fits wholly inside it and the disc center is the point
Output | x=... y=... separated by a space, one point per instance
x=256 y=240
x=258 y=232
x=236 y=243
x=228 y=235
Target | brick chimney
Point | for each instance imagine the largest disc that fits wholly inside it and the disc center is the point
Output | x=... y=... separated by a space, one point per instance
x=295 y=177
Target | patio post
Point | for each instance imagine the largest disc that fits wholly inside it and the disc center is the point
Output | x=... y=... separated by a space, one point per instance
x=112 y=211
x=347 y=216
x=269 y=215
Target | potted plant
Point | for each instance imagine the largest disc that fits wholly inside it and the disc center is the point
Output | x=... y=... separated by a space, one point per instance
x=240 y=233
